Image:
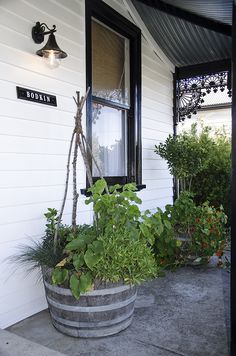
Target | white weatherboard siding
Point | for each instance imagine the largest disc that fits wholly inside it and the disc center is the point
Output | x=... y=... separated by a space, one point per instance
x=34 y=138
x=157 y=124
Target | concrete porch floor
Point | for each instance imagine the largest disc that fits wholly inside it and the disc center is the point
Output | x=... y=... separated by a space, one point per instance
x=185 y=313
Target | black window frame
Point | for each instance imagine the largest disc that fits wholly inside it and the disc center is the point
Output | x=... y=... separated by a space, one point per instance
x=96 y=9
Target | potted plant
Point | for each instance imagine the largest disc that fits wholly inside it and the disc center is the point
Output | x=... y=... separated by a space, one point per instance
x=208 y=232
x=90 y=281
x=185 y=233
x=90 y=272
x=200 y=229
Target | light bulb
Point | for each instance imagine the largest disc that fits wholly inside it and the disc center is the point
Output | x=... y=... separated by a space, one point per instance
x=51 y=60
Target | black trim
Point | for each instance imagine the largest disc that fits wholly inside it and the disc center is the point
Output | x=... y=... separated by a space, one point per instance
x=233 y=195
x=203 y=69
x=175 y=195
x=88 y=194
x=111 y=18
x=111 y=104
x=113 y=180
x=215 y=107
x=202 y=21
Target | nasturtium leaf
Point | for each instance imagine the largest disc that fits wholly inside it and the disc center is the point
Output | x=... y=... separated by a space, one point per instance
x=91 y=258
x=59 y=275
x=97 y=247
x=76 y=244
x=74 y=286
x=88 y=201
x=130 y=187
x=78 y=261
x=114 y=187
x=99 y=186
x=145 y=230
x=160 y=229
x=85 y=282
x=167 y=224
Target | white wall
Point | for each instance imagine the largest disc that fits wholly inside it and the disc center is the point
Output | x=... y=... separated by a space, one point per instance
x=157 y=124
x=35 y=138
x=219 y=119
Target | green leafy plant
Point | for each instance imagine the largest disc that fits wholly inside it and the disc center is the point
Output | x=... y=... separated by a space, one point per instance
x=185 y=232
x=182 y=214
x=185 y=155
x=199 y=228
x=41 y=253
x=81 y=253
x=159 y=230
x=213 y=182
x=112 y=249
x=201 y=162
x=208 y=232
x=116 y=209
x=127 y=254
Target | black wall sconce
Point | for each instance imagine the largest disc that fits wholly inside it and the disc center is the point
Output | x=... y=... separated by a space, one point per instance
x=51 y=52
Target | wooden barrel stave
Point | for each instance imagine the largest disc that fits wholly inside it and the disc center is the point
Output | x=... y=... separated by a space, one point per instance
x=98 y=313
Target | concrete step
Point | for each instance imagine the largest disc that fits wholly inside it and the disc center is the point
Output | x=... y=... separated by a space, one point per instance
x=14 y=345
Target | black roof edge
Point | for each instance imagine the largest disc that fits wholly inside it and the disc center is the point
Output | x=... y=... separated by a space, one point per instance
x=203 y=69
x=210 y=24
x=215 y=106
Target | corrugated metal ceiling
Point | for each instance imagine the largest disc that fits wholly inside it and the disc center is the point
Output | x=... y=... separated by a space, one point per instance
x=218 y=10
x=183 y=42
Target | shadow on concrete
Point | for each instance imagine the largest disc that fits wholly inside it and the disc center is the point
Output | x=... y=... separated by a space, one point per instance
x=185 y=313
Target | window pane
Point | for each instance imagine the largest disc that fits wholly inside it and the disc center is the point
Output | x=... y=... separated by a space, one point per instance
x=109 y=140
x=110 y=64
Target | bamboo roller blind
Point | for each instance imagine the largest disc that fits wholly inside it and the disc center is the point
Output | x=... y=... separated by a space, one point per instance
x=108 y=56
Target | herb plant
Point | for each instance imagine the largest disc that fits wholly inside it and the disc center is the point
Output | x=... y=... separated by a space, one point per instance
x=112 y=249
x=127 y=254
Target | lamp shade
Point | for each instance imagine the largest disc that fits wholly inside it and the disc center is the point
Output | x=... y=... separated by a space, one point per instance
x=51 y=46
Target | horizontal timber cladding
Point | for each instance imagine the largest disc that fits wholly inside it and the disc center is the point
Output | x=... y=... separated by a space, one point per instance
x=34 y=138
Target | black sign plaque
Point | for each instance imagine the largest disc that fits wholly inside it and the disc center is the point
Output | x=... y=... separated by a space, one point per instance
x=36 y=96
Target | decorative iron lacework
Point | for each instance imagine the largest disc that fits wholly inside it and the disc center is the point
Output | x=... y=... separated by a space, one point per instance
x=191 y=91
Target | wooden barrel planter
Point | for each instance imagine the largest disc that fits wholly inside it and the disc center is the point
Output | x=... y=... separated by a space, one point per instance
x=106 y=310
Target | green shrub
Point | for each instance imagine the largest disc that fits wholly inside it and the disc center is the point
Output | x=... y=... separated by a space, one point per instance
x=185 y=154
x=202 y=163
x=213 y=183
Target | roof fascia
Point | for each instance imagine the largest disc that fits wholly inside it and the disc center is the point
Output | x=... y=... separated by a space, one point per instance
x=203 y=69
x=202 y=21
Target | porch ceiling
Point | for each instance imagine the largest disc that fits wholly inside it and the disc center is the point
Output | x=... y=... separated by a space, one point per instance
x=189 y=32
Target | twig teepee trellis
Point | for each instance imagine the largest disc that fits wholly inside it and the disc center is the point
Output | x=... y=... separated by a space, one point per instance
x=80 y=144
